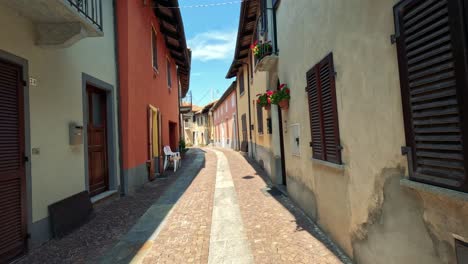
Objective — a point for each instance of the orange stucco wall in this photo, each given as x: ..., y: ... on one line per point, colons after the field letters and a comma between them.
x: 140, y: 85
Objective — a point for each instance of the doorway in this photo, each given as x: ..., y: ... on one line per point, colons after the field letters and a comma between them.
x: 98, y: 171
x: 173, y: 136
x: 13, y: 220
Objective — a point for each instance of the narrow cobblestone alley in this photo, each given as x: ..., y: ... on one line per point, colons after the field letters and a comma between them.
x: 216, y: 210
x: 204, y: 226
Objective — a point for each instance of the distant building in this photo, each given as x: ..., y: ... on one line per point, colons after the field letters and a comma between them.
x: 224, y: 114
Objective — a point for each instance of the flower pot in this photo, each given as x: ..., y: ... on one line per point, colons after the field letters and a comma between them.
x: 267, y: 107
x: 284, y: 104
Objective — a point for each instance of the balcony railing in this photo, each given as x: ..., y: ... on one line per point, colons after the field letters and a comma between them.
x: 265, y: 51
x: 185, y: 103
x: 91, y: 9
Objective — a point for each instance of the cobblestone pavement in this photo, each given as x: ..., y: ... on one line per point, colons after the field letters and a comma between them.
x: 271, y: 228
x: 185, y: 238
x: 114, y: 218
x: 277, y: 231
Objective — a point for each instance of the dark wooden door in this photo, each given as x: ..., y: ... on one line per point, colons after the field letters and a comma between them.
x: 244, y: 143
x: 97, y: 141
x: 173, y: 136
x: 12, y: 163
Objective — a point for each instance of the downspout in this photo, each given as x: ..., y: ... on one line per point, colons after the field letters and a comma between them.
x: 119, y: 109
x: 250, y: 113
x: 237, y: 122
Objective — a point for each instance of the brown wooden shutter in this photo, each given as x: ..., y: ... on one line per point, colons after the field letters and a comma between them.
x: 260, y: 119
x: 12, y: 172
x: 431, y: 41
x: 323, y: 111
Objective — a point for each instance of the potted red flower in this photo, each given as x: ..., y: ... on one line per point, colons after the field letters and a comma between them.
x: 264, y: 100
x: 281, y: 97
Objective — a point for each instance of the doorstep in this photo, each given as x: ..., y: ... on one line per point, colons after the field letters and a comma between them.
x: 102, y: 196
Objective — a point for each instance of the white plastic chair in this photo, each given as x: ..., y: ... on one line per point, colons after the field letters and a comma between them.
x: 170, y: 156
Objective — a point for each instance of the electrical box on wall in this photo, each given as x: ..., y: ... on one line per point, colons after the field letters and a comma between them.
x: 76, y: 134
x: 295, y: 134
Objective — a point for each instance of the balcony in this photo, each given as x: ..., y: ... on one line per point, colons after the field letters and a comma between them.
x: 266, y: 58
x: 61, y: 23
x: 185, y: 104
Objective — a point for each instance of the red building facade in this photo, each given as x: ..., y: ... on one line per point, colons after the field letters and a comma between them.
x: 225, y: 120
x: 154, y: 73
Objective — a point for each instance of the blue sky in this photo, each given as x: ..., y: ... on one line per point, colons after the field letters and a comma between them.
x: 211, y: 34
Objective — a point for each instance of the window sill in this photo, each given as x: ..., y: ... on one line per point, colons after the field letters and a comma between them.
x: 335, y: 166
x: 155, y: 72
x: 422, y: 187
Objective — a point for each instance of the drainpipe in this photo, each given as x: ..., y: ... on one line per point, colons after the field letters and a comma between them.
x: 248, y: 98
x: 119, y: 109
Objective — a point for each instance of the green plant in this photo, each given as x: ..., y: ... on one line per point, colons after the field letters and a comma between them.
x: 261, y: 48
x: 182, y: 145
x: 264, y: 99
x: 283, y: 93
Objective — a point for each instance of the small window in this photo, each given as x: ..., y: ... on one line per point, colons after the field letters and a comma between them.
x: 241, y: 83
x: 232, y: 101
x: 169, y: 77
x: 154, y: 48
x: 323, y: 112
x: 259, y: 119
x: 226, y: 107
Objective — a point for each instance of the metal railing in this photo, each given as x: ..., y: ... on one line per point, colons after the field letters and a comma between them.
x: 91, y: 9
x: 186, y: 102
x: 264, y: 37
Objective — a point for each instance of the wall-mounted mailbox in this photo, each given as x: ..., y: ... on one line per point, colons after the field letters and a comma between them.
x: 76, y: 134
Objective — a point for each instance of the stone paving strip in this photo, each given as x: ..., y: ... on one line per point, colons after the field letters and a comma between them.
x: 228, y: 242
x: 134, y: 246
x: 277, y: 230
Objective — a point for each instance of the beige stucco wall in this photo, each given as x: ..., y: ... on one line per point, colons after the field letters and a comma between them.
x: 362, y: 205
x: 243, y: 102
x: 58, y: 171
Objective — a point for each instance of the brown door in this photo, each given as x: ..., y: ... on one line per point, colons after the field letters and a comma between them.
x: 173, y: 136
x: 12, y: 163
x: 97, y: 141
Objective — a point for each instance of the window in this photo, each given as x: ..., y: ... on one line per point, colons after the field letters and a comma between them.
x: 323, y: 111
x: 169, y: 77
x: 226, y: 106
x: 432, y: 56
x: 232, y: 101
x: 154, y: 48
x: 259, y: 119
x: 241, y: 83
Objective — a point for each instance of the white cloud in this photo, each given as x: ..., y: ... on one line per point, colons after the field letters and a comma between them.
x: 213, y: 45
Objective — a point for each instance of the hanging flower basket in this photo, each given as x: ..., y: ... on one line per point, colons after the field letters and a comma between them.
x: 264, y: 100
x: 281, y: 97
x: 284, y: 104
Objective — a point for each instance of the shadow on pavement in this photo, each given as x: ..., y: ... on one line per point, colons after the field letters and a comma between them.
x: 303, y: 222
x: 138, y: 241
x: 116, y: 217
